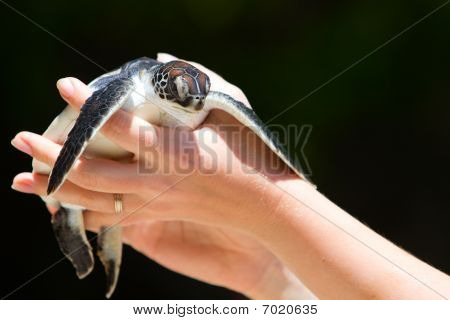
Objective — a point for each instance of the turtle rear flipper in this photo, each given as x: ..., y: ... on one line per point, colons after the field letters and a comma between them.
x: 109, y: 249
x: 68, y: 227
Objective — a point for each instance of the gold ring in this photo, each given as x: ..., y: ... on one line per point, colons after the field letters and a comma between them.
x: 118, y: 203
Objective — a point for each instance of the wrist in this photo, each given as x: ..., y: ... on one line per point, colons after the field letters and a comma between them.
x: 278, y: 282
x: 291, y: 197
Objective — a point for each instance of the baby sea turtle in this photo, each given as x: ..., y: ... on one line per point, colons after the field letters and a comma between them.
x: 165, y: 94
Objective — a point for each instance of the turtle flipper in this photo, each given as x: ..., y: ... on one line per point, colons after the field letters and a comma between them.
x: 68, y: 227
x: 93, y: 115
x: 109, y: 249
x: 245, y: 115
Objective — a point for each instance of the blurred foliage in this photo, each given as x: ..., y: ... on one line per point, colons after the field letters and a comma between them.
x: 380, y: 145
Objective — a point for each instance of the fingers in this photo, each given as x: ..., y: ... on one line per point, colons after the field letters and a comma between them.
x: 217, y: 82
x: 165, y: 57
x: 72, y: 194
x: 123, y: 128
x: 73, y: 91
x: 130, y: 132
x: 131, y: 234
x: 94, y: 220
x: 94, y: 174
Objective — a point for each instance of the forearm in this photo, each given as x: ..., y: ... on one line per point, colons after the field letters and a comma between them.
x: 336, y: 256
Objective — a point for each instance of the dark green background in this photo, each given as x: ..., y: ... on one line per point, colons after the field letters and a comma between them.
x: 380, y: 145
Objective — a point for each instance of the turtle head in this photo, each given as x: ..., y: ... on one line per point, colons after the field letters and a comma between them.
x: 182, y: 83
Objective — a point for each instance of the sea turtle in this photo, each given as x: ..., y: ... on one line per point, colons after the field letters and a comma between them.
x: 166, y: 94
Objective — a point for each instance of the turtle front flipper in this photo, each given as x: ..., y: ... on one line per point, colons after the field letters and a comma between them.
x: 245, y: 115
x: 68, y: 226
x: 109, y: 249
x: 93, y: 115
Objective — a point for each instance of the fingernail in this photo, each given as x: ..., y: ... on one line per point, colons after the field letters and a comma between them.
x: 23, y: 186
x: 21, y: 145
x: 65, y: 87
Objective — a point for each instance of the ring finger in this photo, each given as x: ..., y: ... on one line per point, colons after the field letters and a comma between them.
x: 73, y: 194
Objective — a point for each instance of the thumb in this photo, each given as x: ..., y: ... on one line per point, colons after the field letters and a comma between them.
x: 165, y: 57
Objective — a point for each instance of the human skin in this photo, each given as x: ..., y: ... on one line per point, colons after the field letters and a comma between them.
x: 213, y: 254
x: 239, y: 228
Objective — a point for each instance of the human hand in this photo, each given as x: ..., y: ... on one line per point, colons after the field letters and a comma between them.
x: 199, y: 225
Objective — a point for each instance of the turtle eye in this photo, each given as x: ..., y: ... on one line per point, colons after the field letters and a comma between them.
x: 182, y: 87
